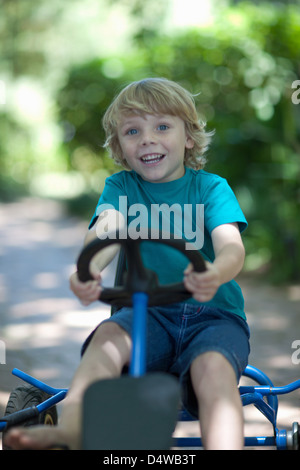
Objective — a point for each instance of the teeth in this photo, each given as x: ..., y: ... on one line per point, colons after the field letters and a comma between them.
x: 152, y: 158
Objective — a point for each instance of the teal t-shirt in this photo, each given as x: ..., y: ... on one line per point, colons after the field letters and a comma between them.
x: 190, y: 208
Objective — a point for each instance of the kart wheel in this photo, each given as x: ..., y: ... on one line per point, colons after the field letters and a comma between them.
x: 295, y: 432
x: 293, y: 437
x: 26, y: 396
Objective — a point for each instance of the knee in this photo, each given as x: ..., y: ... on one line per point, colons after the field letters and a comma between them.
x: 212, y: 371
x: 111, y: 332
x: 110, y: 340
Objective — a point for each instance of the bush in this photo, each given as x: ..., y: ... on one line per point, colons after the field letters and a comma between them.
x: 242, y: 71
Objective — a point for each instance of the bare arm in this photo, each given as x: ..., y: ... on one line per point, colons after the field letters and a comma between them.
x: 229, y: 260
x: 229, y: 251
x: 90, y: 291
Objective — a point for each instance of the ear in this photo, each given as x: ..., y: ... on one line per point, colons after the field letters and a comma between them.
x: 189, y: 142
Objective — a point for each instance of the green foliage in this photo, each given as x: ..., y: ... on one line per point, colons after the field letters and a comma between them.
x: 82, y: 102
x: 241, y: 69
x: 242, y: 72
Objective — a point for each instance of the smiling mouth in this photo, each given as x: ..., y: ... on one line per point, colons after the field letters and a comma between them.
x: 152, y: 159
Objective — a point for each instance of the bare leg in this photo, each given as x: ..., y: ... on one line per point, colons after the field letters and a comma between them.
x: 220, y: 407
x: 107, y: 353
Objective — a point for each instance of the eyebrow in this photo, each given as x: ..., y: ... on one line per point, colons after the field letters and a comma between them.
x: 123, y: 122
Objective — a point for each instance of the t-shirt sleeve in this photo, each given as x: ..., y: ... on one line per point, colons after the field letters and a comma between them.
x: 110, y: 198
x: 221, y: 206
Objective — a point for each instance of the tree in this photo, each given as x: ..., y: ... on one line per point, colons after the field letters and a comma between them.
x: 242, y: 70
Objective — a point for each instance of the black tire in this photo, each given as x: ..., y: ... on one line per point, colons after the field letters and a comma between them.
x: 26, y: 396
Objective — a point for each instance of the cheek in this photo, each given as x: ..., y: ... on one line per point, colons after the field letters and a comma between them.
x: 125, y: 149
x: 128, y: 146
x: 128, y: 153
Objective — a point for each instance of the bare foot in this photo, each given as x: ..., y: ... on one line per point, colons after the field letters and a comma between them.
x: 39, y: 438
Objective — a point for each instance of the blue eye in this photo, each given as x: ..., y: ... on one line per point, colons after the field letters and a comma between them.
x: 163, y: 127
x: 132, y: 132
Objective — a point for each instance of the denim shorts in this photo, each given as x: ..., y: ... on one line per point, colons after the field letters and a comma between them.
x: 177, y: 333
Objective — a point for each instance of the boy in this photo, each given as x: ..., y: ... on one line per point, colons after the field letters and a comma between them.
x: 153, y: 130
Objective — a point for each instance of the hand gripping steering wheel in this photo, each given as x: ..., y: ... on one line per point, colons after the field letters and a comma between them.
x: 138, y: 277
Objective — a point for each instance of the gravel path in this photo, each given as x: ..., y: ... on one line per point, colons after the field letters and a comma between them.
x: 42, y: 325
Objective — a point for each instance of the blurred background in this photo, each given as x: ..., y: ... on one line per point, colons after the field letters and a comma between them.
x: 61, y: 64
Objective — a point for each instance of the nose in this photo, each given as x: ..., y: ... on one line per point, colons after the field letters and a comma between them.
x: 148, y: 138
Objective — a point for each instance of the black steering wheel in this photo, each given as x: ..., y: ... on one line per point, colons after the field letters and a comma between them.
x: 138, y: 277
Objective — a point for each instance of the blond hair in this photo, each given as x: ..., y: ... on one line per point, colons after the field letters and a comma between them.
x: 157, y: 96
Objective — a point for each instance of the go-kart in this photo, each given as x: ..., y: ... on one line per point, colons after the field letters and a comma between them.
x: 140, y: 410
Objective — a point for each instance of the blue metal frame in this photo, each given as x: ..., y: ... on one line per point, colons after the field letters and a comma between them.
x: 56, y: 395
x: 263, y: 396
x: 138, y: 360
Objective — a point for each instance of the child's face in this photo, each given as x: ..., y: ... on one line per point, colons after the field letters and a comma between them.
x: 154, y: 145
